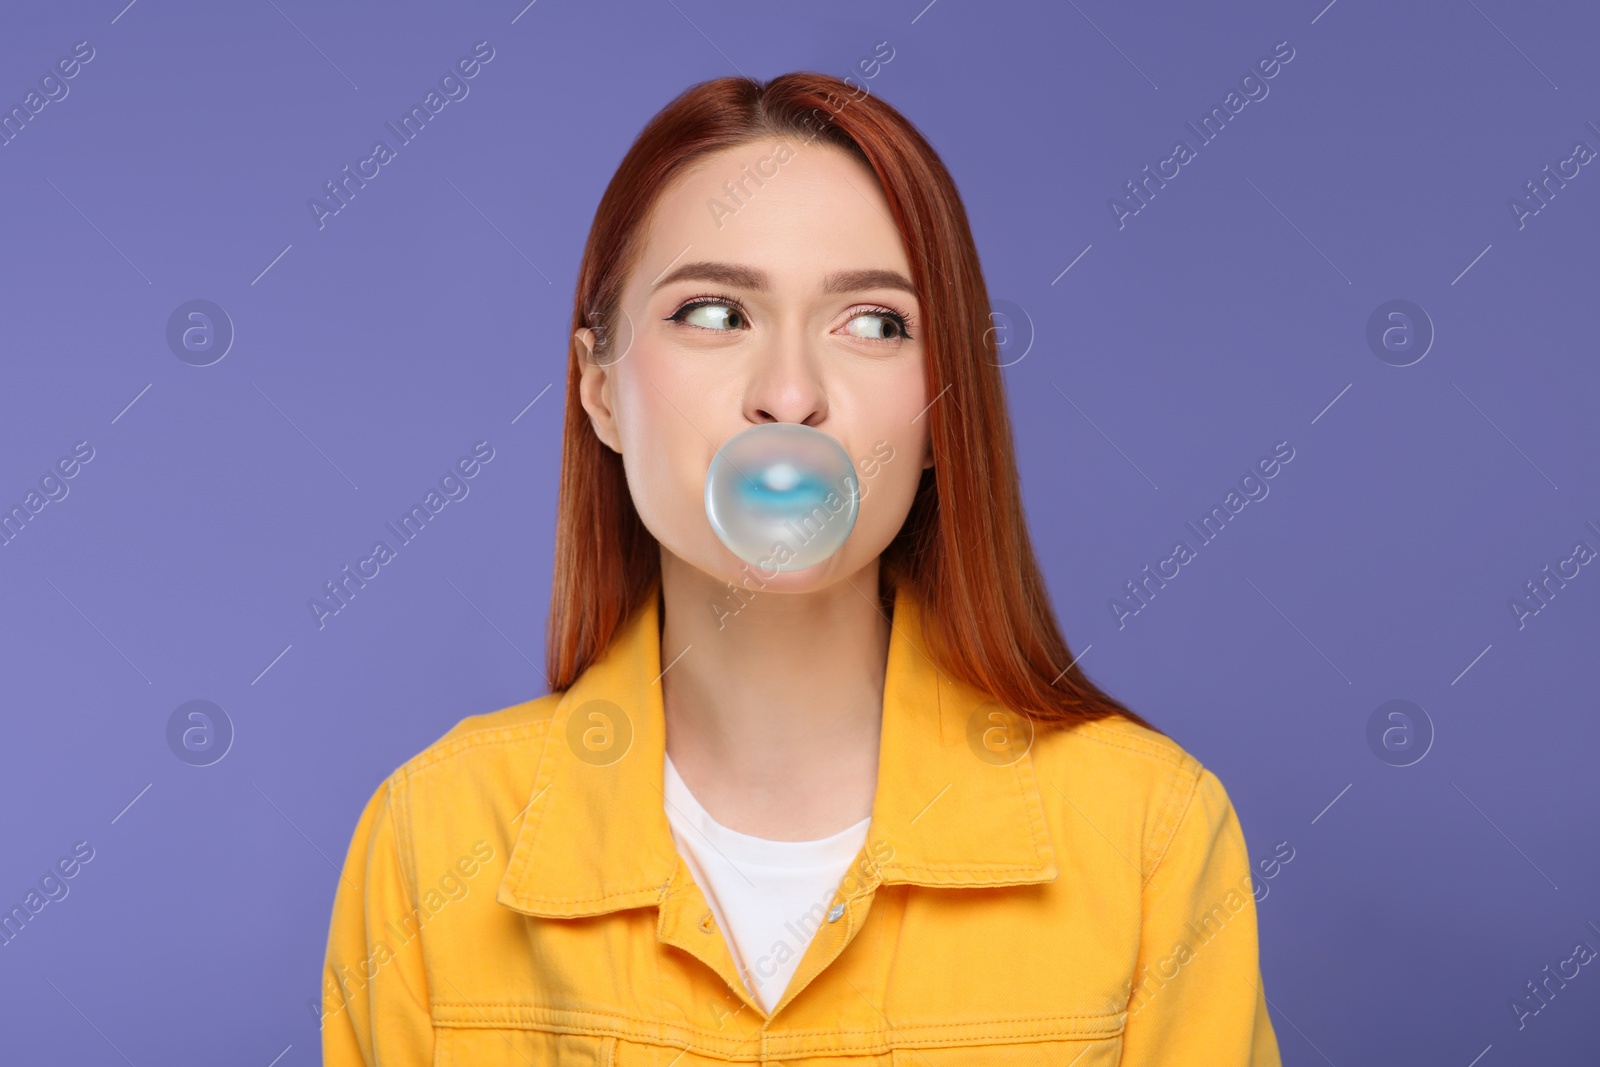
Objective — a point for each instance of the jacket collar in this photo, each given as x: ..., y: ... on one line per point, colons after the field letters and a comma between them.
x: 594, y: 836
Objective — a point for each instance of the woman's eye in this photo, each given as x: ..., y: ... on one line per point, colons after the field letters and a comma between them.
x: 710, y: 316
x: 877, y: 326
x: 724, y: 316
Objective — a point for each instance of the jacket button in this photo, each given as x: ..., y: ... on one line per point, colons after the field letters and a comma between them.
x: 838, y: 910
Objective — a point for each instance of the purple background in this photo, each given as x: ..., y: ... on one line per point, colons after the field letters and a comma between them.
x: 1229, y: 314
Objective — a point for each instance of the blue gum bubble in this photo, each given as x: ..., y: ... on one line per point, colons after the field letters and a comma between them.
x: 782, y: 496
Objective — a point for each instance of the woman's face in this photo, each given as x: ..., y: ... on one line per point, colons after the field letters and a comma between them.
x: 786, y: 299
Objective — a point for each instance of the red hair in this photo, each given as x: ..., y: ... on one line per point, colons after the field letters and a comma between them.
x: 964, y: 547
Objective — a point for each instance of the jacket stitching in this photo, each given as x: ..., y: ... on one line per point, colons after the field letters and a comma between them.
x: 656, y: 887
x: 636, y: 1025
x: 624, y: 1017
x: 1166, y: 845
x: 399, y: 802
x: 483, y: 736
x: 398, y: 810
x: 1038, y: 828
x: 536, y: 832
x: 1092, y: 732
x: 1183, y: 764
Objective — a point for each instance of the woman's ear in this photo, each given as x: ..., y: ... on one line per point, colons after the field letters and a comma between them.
x: 595, y: 387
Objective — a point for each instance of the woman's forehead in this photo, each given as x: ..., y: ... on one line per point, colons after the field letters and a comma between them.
x: 797, y: 217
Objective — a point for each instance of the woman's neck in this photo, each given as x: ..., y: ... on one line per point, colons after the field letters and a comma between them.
x: 774, y: 700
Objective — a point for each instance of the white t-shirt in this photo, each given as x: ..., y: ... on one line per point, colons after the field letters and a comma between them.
x: 770, y: 897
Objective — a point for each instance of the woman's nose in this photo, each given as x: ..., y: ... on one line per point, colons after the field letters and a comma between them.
x: 786, y: 384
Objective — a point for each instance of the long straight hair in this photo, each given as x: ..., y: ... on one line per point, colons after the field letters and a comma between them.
x: 964, y: 547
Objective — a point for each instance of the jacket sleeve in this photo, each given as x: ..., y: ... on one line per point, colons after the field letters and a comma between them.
x: 374, y: 985
x: 1197, y: 995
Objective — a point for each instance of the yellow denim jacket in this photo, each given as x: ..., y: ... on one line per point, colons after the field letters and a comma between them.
x: 512, y: 897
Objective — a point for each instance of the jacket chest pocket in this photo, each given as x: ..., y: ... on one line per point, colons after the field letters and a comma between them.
x: 505, y: 1046
x: 1063, y: 1052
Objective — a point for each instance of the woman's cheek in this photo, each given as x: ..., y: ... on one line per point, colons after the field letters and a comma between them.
x: 666, y: 461
x: 895, y: 466
x: 658, y: 479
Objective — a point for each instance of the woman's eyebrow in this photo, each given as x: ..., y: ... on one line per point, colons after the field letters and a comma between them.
x: 845, y: 281
x: 848, y: 281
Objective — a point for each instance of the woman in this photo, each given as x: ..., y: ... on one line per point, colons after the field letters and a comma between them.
x: 862, y: 812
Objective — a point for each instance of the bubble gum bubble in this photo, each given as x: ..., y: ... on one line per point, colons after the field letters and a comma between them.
x: 782, y: 496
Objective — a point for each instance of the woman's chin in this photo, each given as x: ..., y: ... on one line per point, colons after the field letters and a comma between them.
x: 765, y: 575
